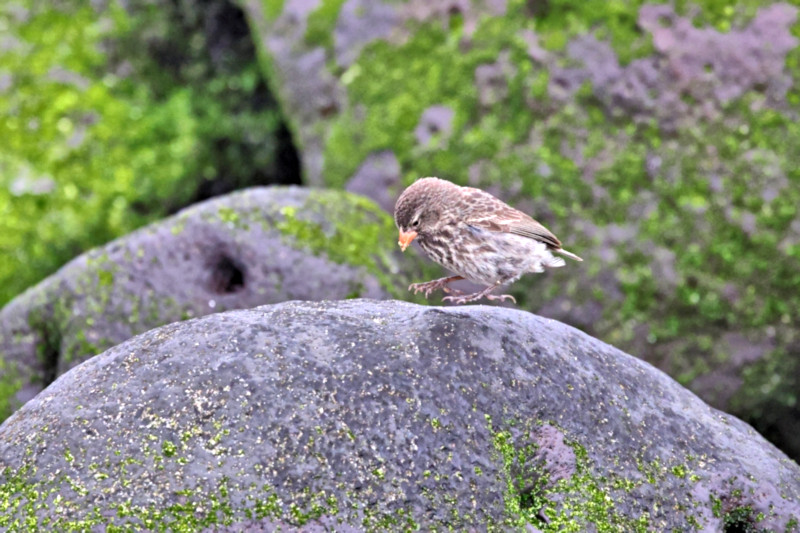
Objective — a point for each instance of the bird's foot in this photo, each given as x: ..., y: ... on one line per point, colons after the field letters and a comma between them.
x: 501, y: 297
x: 463, y: 299
x: 466, y: 298
x: 429, y: 286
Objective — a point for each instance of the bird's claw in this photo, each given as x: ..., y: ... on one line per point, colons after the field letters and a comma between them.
x: 426, y: 288
x: 429, y: 286
x: 458, y: 300
x: 501, y: 297
x: 477, y: 296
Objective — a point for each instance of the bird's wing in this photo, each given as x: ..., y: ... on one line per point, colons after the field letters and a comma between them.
x: 534, y: 230
x: 483, y: 210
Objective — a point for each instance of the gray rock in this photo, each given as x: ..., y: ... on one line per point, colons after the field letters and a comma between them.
x: 361, y: 22
x: 378, y: 178
x: 259, y: 246
x: 383, y: 415
x: 658, y: 142
x: 741, y: 59
x: 436, y: 122
x: 310, y: 92
x: 491, y: 80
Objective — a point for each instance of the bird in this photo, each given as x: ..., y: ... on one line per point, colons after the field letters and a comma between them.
x: 474, y: 235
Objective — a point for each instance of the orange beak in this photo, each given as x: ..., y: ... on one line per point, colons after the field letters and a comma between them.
x: 405, y: 239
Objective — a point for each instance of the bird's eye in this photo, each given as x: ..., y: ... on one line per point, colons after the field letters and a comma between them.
x: 415, y: 222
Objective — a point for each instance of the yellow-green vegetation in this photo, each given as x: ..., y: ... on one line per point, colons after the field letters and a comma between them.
x: 616, y: 21
x: 9, y: 385
x: 348, y: 229
x: 272, y: 9
x: 590, y: 498
x: 583, y: 498
x: 100, y: 137
x: 701, y: 199
x: 23, y: 505
x: 56, y: 502
x: 319, y: 29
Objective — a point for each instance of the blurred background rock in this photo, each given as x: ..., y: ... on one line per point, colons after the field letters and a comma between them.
x: 658, y: 140
x: 118, y: 113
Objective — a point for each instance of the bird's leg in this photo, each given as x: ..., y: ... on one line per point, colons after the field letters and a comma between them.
x: 478, y: 295
x: 451, y: 290
x: 430, y: 286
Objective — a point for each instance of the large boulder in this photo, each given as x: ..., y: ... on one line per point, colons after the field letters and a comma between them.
x: 258, y: 246
x: 363, y: 415
x: 658, y: 140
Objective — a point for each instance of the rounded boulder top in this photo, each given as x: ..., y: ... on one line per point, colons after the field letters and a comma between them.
x: 376, y: 415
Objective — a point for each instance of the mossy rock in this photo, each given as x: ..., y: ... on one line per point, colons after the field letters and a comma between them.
x: 382, y: 416
x: 657, y: 140
x: 257, y: 246
x: 117, y: 114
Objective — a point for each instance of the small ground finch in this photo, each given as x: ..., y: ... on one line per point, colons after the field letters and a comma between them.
x: 474, y: 235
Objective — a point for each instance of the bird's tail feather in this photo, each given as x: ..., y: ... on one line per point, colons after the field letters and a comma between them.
x: 568, y: 254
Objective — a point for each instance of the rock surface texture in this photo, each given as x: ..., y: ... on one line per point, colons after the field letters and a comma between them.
x: 259, y: 246
x: 657, y: 139
x: 362, y: 415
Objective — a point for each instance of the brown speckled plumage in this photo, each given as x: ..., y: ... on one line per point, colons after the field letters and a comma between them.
x: 474, y: 235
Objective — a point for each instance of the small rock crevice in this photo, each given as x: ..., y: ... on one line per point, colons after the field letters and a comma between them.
x: 227, y: 276
x: 48, y: 344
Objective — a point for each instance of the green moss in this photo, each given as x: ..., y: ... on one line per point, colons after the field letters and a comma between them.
x: 586, y: 500
x: 356, y: 232
x: 393, y: 109
x: 615, y: 22
x: 719, y: 14
x: 273, y: 8
x: 77, y: 210
x: 769, y: 393
x: 679, y: 471
x: 525, y: 484
x: 89, y: 154
x: 582, y: 499
x: 321, y: 23
x: 716, y: 506
x: 168, y: 448
x: 740, y: 519
x: 10, y: 384
x: 27, y: 505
